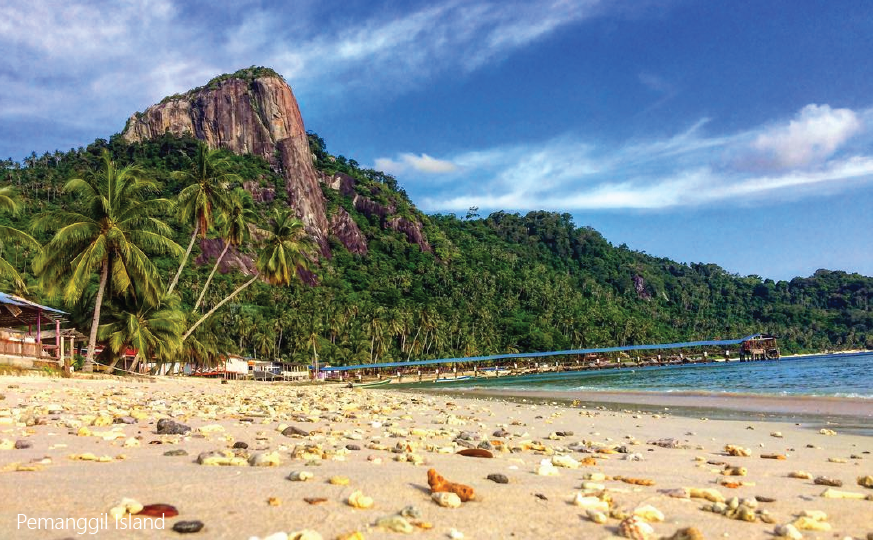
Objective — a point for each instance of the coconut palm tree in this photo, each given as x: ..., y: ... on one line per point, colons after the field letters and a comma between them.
x: 285, y: 248
x: 111, y: 238
x: 234, y: 226
x: 153, y: 331
x: 9, y: 202
x: 205, y: 196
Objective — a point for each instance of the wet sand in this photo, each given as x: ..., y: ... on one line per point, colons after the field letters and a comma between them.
x: 384, y: 442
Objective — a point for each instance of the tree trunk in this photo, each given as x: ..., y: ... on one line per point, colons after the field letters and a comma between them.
x: 88, y: 367
x: 209, y: 279
x: 213, y: 310
x: 185, y: 258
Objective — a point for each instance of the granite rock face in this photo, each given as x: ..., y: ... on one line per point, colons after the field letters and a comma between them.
x: 258, y: 116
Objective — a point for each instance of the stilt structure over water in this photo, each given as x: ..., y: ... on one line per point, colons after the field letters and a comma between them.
x: 754, y: 347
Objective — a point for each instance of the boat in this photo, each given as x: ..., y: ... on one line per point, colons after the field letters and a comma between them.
x: 463, y: 378
x: 370, y: 384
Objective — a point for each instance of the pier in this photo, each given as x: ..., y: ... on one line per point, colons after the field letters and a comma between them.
x: 749, y: 348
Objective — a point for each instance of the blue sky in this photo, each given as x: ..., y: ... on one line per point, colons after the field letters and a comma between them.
x: 733, y: 132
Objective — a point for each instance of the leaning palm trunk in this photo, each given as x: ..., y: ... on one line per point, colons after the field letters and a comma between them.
x: 88, y: 367
x: 185, y: 258
x: 213, y: 310
x: 209, y: 279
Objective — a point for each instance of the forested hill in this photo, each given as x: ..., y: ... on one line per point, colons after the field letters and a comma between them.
x: 397, y: 284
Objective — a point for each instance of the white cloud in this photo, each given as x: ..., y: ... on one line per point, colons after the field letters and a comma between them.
x: 423, y: 163
x: 811, y: 137
x: 568, y: 173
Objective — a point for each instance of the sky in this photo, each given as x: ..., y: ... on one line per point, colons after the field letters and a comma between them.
x: 735, y: 132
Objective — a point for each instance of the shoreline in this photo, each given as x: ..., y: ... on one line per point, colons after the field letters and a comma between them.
x: 850, y: 414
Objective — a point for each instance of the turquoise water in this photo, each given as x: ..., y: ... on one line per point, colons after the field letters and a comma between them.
x: 841, y: 375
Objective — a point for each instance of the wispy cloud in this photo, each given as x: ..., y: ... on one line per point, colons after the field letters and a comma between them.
x: 93, y: 63
x: 821, y: 150
x: 423, y: 163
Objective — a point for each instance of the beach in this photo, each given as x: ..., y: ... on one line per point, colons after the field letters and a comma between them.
x: 74, y: 448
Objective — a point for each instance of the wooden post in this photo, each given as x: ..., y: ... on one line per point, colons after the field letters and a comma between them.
x: 39, y: 333
x: 58, y: 338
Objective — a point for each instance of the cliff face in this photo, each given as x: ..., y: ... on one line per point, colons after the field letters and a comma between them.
x: 258, y: 116
x: 254, y: 111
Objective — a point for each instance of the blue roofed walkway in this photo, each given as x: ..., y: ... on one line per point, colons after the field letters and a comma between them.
x: 570, y: 352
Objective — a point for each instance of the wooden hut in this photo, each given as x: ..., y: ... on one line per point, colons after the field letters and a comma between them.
x: 21, y: 338
x: 759, y: 347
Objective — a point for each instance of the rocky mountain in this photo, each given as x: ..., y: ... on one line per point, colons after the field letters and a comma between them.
x: 253, y: 111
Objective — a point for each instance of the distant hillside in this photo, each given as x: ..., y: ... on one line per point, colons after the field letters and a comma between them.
x: 394, y: 283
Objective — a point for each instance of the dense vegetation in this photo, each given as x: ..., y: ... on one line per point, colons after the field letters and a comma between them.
x: 497, y: 284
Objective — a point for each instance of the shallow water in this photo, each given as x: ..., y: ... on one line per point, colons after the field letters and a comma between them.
x: 839, y: 375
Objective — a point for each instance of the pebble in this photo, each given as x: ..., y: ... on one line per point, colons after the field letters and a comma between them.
x: 176, y: 452
x: 292, y: 431
x: 825, y: 431
x: 300, y: 476
x: 866, y: 481
x: 170, y: 427
x: 455, y: 534
x: 498, y: 478
x: 596, y: 516
x: 158, y: 510
x: 803, y: 475
x: 788, y: 531
x: 547, y: 468
x: 589, y: 502
x: 339, y: 480
x: 397, y: 524
x: 825, y: 481
x: 737, y: 451
x: 185, y: 527
x: 22, y: 444
x: 265, y: 459
x: 353, y: 447
x: 649, y: 513
x: 687, y: 533
x: 446, y: 499
x: 240, y: 445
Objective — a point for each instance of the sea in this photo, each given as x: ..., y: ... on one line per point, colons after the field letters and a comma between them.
x: 837, y: 375
x: 827, y: 390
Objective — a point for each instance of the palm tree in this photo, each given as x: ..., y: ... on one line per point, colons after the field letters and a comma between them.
x: 286, y: 247
x: 153, y: 331
x: 9, y: 203
x: 111, y: 238
x: 234, y: 226
x: 205, y: 196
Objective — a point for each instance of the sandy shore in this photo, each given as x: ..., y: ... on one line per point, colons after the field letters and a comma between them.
x: 384, y: 442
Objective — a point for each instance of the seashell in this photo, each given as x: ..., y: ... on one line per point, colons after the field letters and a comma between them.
x: 774, y: 456
x: 596, y: 516
x: 709, y: 494
x: 590, y: 503
x: 830, y: 493
x: 300, y: 476
x: 803, y: 475
x: 633, y: 457
x: 737, y: 451
x: 788, y: 531
x: 825, y: 431
x: 446, y: 499
x: 455, y: 534
x: 397, y: 524
x: 476, y: 452
x: 635, y: 529
x: 565, y: 461
x: 777, y: 434
x: 438, y: 483
x: 825, y: 481
x: 158, y: 510
x: 339, y: 480
x: 359, y: 500
x: 804, y: 523
x: 688, y: 533
x: 649, y: 513
x: 866, y: 481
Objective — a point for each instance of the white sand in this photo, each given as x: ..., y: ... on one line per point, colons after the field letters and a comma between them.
x: 232, y: 501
